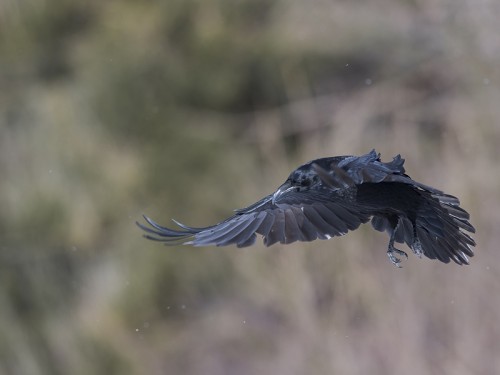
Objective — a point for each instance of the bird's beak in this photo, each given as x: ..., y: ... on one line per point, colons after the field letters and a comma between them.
x: 283, y: 189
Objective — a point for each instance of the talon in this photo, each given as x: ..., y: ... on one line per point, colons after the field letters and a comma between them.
x: 393, y: 258
x: 401, y: 252
x: 391, y: 249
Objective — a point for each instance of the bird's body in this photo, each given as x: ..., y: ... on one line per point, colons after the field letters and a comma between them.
x: 330, y: 196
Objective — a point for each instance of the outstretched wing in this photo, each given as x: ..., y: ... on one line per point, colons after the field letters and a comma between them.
x: 442, y: 227
x: 294, y: 216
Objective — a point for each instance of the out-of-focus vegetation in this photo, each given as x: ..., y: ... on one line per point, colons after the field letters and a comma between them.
x: 190, y: 108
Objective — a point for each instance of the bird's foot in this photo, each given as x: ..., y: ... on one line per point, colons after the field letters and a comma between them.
x: 393, y: 258
x: 416, y: 246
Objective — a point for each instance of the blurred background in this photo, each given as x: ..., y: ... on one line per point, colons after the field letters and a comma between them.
x: 192, y: 108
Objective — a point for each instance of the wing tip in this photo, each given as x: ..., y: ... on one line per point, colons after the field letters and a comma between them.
x: 156, y: 232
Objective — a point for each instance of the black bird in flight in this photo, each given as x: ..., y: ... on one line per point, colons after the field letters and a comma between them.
x: 330, y: 196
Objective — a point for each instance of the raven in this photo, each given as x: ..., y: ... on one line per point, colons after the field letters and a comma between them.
x: 328, y: 197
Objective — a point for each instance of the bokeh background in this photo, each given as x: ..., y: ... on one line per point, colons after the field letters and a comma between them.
x: 192, y: 108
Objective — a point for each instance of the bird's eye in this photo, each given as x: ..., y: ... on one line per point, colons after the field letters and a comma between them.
x: 305, y: 182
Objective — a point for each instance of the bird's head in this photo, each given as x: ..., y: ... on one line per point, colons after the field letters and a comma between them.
x: 302, y: 179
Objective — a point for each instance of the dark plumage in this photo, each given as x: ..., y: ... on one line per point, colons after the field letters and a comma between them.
x: 330, y: 196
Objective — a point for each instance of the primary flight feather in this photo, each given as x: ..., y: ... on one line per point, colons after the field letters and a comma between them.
x: 328, y: 197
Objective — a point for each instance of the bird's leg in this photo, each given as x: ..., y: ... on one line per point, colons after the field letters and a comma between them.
x: 391, y: 250
x: 416, y: 246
